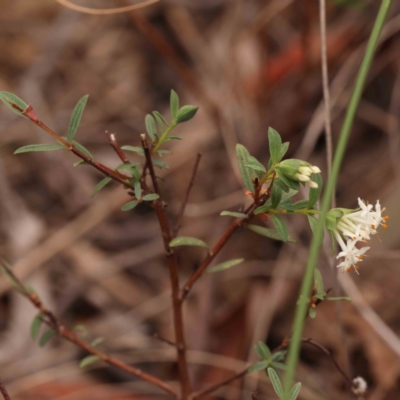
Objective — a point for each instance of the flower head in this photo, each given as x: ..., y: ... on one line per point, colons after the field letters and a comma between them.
x: 356, y: 226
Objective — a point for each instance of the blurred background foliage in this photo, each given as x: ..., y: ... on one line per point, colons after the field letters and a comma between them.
x: 248, y: 65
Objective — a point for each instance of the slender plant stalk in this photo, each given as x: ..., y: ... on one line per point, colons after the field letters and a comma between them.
x: 53, y: 322
x: 294, y: 347
x: 4, y: 392
x: 173, y: 267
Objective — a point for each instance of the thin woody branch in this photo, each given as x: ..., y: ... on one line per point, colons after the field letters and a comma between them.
x: 172, y: 263
x: 52, y: 321
x: 237, y: 223
x: 189, y: 188
x: 115, y: 175
x: 114, y: 144
x: 4, y: 392
x: 201, y: 393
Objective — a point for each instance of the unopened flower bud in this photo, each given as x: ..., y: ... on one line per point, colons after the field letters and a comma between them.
x: 305, y: 171
x: 313, y: 184
x: 302, y: 178
x: 315, y: 169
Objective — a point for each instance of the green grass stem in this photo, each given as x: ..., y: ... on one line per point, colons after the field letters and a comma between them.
x: 307, y: 283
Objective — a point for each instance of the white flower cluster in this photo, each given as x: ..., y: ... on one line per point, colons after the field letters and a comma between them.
x: 354, y: 227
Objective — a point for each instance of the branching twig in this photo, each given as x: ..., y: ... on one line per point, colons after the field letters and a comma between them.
x: 4, y: 392
x: 114, y: 144
x: 164, y: 340
x: 201, y: 393
x: 115, y: 175
x: 319, y: 346
x: 52, y: 321
x: 183, y: 206
x: 174, y: 275
x: 312, y: 342
x: 225, y: 237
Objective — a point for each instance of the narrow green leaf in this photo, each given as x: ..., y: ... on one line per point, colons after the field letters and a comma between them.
x: 288, y: 195
x: 174, y: 104
x: 88, y: 360
x: 263, y: 351
x: 284, y: 149
x: 270, y: 233
x: 8, y: 98
x: 186, y: 113
x: 131, y: 168
x: 82, y: 149
x: 258, y: 366
x: 282, y: 185
x: 313, y: 225
x: 151, y: 197
x: 293, y: 394
x: 281, y: 227
x: 257, y: 166
x: 160, y: 164
x: 135, y: 149
x: 138, y: 190
x: 300, y: 205
x: 100, y: 186
x: 233, y: 214
x: 187, y: 241
x: 315, y: 193
x: 243, y: 155
x: 289, y: 182
x: 278, y: 365
x: 163, y: 152
x: 97, y: 341
x: 225, y: 265
x: 319, y: 283
x: 81, y: 162
x: 129, y: 206
x: 279, y: 355
x: 39, y: 147
x: 11, y: 279
x: 81, y: 329
x: 276, y: 196
x: 275, y: 145
x: 36, y: 324
x: 338, y: 298
x: 262, y: 209
x: 172, y: 137
x: 76, y: 117
x: 46, y: 337
x: 161, y: 121
x: 150, y: 126
x: 276, y: 382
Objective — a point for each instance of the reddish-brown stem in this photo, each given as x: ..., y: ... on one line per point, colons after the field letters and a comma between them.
x: 164, y: 340
x: 285, y: 343
x: 115, y: 175
x: 172, y: 263
x: 4, y: 392
x: 51, y: 320
x: 114, y: 144
x: 225, y: 237
x: 204, y: 392
x: 185, y: 201
x: 328, y: 353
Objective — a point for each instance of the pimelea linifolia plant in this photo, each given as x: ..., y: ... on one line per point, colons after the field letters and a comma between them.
x: 272, y: 188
